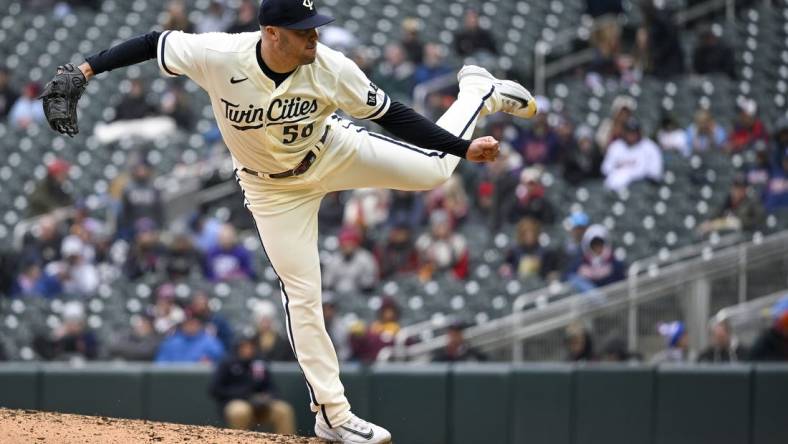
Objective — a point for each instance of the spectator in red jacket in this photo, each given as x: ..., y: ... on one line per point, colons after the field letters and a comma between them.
x: 747, y: 128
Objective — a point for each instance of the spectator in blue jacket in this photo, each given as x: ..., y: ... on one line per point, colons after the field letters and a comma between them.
x: 776, y: 192
x: 215, y: 323
x: 190, y: 343
x: 229, y: 260
x: 598, y: 265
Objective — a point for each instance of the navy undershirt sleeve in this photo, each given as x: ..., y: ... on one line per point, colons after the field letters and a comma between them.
x: 410, y: 126
x: 135, y: 50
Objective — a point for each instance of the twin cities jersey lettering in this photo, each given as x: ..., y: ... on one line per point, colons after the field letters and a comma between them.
x: 269, y: 128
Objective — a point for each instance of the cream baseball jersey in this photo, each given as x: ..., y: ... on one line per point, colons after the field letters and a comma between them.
x: 269, y: 128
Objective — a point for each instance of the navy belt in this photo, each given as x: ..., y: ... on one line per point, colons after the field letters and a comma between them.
x: 301, y: 168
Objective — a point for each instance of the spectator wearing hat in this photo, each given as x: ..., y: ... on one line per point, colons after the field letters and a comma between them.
x: 271, y: 344
x: 352, y: 268
x: 7, y: 94
x: 229, y: 260
x: 166, y: 313
x: 71, y: 339
x: 678, y: 348
x: 138, y: 344
x: 51, y: 193
x: 597, y: 266
x: 747, y: 128
x: 336, y: 328
x: 579, y: 344
x: 441, y: 249
x: 140, y: 200
x: 528, y: 259
x: 75, y: 271
x: 27, y: 109
x: 741, y: 211
x: 472, y: 39
x: 772, y: 343
x: 457, y: 348
x: 724, y: 346
x: 215, y: 323
x: 244, y: 390
x: 581, y: 157
x: 529, y: 200
x: 190, y: 343
x: 705, y: 134
x: 631, y: 158
x: 572, y: 249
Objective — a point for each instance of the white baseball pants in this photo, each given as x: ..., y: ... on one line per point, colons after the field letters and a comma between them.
x: 285, y: 212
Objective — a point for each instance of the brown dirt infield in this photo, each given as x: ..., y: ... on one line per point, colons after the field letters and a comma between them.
x: 34, y: 427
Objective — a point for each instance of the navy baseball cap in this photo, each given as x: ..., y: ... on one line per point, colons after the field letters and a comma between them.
x: 291, y: 14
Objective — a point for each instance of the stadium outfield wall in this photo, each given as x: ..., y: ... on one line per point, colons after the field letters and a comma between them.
x: 551, y: 403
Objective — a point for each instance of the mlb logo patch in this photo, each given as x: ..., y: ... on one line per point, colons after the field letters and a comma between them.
x: 372, y: 98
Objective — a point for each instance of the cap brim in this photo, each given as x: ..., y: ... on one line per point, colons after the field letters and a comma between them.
x: 315, y: 21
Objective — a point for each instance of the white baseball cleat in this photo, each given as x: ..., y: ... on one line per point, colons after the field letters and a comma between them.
x: 354, y: 431
x: 509, y: 97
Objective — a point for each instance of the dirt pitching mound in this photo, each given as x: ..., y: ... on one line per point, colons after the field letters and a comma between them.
x: 31, y: 426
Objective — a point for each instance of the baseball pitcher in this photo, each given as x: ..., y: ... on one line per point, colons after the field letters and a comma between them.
x: 274, y: 95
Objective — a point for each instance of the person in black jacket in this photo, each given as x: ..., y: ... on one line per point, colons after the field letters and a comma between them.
x: 772, y: 344
x: 243, y: 387
x: 724, y: 346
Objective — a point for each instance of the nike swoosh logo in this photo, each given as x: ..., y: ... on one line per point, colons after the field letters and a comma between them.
x: 523, y: 102
x: 363, y: 435
x: 233, y: 81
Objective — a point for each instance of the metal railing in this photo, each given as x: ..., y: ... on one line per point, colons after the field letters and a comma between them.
x: 748, y: 318
x: 656, y: 290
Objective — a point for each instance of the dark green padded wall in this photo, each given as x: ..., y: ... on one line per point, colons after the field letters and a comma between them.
x: 19, y: 386
x: 176, y: 393
x: 480, y: 403
x: 703, y: 404
x: 612, y: 404
x: 412, y: 402
x: 770, y: 404
x: 109, y: 390
x: 541, y: 403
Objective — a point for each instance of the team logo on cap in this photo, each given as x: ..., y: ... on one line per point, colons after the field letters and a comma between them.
x: 309, y: 4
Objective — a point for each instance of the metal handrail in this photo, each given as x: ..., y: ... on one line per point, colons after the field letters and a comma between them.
x: 648, y: 287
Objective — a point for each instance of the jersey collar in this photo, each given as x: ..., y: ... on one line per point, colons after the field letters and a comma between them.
x: 277, y: 78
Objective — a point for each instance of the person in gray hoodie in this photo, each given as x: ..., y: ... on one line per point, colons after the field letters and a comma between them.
x: 597, y: 266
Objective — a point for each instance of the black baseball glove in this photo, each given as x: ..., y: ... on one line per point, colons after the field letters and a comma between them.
x: 60, y: 96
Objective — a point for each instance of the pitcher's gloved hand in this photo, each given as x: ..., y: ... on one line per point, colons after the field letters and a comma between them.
x: 60, y: 97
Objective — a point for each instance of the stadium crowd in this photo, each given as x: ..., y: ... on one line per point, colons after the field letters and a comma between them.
x: 382, y: 234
